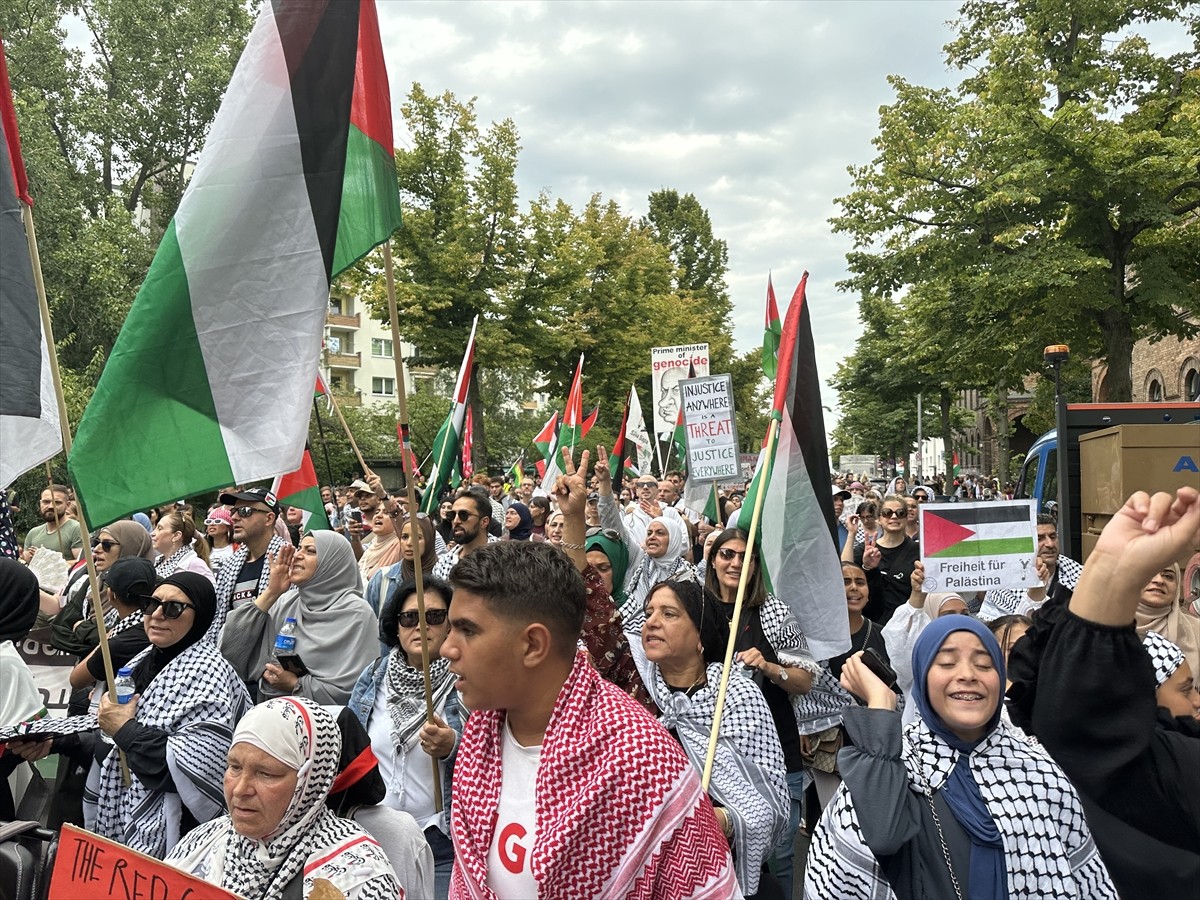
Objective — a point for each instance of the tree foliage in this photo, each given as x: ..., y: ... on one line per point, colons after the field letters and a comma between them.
x: 1050, y: 197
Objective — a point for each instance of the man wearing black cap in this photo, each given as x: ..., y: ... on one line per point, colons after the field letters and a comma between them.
x: 245, y: 574
x: 124, y: 585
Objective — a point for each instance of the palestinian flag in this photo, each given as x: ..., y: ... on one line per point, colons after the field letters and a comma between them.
x: 570, y: 433
x: 617, y: 461
x: 301, y: 489
x: 29, y: 425
x: 954, y: 462
x: 544, y: 440
x: 449, y: 436
x: 468, y: 446
x: 321, y: 390
x: 771, y: 332
x: 797, y: 536
x: 233, y: 308
x: 588, y: 421
x: 954, y: 530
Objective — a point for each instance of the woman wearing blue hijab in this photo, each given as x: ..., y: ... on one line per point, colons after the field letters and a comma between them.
x: 955, y: 805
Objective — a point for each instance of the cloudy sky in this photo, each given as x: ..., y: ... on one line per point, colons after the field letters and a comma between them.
x: 757, y: 108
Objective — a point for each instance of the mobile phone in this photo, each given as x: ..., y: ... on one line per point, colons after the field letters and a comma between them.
x: 357, y: 516
x: 879, y: 667
x: 293, y: 664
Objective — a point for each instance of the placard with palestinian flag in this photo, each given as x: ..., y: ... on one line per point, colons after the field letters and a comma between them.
x: 979, y: 546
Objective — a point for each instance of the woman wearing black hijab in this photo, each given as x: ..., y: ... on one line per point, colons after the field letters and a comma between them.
x: 175, y: 731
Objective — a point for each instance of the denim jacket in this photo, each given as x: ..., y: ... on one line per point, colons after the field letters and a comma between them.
x: 362, y: 702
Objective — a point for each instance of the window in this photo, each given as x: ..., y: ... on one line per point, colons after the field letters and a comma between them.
x: 1155, y: 393
x: 1191, y: 386
x: 381, y: 347
x: 383, y: 387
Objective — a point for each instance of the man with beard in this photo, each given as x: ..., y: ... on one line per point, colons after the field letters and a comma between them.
x: 1058, y: 574
x: 58, y: 533
x: 471, y: 515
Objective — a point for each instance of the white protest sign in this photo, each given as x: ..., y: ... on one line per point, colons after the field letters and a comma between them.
x: 979, y: 546
x: 708, y: 418
x: 668, y: 367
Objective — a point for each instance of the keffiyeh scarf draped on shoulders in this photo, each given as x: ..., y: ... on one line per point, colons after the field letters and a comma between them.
x: 227, y: 575
x: 748, y: 776
x: 309, y: 838
x: 617, y: 804
x: 651, y: 570
x: 405, y: 687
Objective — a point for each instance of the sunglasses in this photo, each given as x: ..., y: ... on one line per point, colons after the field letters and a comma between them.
x: 106, y: 546
x: 432, y: 617
x: 610, y: 533
x: 246, y: 511
x: 894, y: 513
x: 171, y: 609
x: 647, y: 484
x: 728, y: 553
x: 215, y: 522
x: 462, y: 515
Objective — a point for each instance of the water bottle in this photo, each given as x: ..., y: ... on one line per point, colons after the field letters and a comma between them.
x: 285, y: 641
x: 124, y: 685
x: 125, y: 691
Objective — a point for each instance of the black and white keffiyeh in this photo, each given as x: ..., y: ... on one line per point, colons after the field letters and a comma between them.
x: 749, y: 776
x: 165, y: 566
x: 197, y: 699
x: 1166, y: 656
x: 782, y: 631
x: 1011, y: 602
x: 309, y: 839
x: 1048, y: 848
x: 226, y: 580
x: 405, y: 688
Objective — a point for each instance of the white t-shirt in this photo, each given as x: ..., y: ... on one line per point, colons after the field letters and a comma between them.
x: 510, y: 873
x: 409, y: 781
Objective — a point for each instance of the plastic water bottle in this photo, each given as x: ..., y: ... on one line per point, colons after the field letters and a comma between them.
x: 285, y: 641
x: 125, y: 691
x: 124, y: 685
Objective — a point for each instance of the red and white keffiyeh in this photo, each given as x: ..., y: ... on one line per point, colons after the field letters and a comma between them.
x: 620, y: 812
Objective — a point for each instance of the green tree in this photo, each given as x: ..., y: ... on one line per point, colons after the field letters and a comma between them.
x: 1049, y: 197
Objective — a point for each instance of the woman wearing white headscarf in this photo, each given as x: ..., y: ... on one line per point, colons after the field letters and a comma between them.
x: 279, y: 834
x: 318, y: 585
x: 659, y: 558
x: 905, y: 626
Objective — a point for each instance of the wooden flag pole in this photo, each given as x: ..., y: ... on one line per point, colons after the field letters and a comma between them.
x: 407, y: 460
x: 772, y: 435
x: 345, y: 427
x: 65, y: 426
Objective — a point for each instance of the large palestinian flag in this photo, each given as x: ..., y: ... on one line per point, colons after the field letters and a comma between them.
x: 210, y: 379
x: 797, y: 535
x: 954, y: 530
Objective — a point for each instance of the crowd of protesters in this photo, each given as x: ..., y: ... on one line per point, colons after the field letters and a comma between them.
x: 515, y: 697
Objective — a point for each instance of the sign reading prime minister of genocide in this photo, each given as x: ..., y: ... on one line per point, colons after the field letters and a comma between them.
x: 708, y: 419
x: 668, y: 367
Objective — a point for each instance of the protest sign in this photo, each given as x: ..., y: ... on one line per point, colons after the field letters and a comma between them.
x: 708, y: 417
x: 979, y: 546
x: 89, y: 867
x: 50, y: 668
x: 858, y: 464
x: 669, y: 366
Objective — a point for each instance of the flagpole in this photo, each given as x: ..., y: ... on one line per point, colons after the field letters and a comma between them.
x: 64, y: 425
x: 353, y: 444
x: 407, y: 460
x: 658, y: 453
x: 324, y: 445
x: 734, y: 629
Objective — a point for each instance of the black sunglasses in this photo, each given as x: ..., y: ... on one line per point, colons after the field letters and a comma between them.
x: 728, y: 553
x: 894, y: 513
x: 462, y: 515
x: 171, y: 609
x: 106, y: 545
x: 246, y: 511
x: 647, y: 484
x: 432, y: 617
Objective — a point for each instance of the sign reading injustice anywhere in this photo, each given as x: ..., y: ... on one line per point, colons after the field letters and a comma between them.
x: 979, y: 546
x: 708, y: 418
x: 89, y: 867
x: 668, y: 367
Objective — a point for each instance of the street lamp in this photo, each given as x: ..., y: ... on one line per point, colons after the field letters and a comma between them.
x: 1056, y: 355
